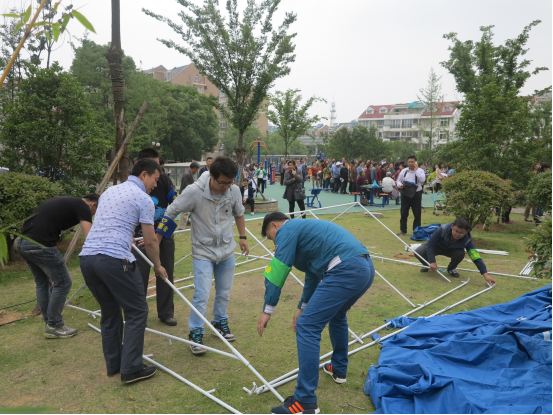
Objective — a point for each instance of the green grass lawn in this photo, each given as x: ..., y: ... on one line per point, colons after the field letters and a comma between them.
x: 69, y: 375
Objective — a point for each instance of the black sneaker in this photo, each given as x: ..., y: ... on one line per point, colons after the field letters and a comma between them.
x: 171, y: 321
x: 222, y: 327
x: 328, y: 369
x: 145, y: 373
x: 425, y: 269
x: 62, y: 332
x: 453, y: 273
x: 401, y: 233
x: 112, y: 374
x: 291, y: 406
x: 196, y: 336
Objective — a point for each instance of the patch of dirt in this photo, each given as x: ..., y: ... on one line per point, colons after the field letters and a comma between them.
x: 496, y: 227
x: 6, y: 316
x: 479, y: 243
x: 24, y: 401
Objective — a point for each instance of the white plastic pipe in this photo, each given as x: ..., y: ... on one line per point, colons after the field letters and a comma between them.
x: 406, y: 246
x: 282, y: 382
x: 462, y: 269
x: 395, y: 289
x: 426, y: 304
x: 216, y: 332
x: 206, y: 393
x: 182, y: 259
x: 75, y: 293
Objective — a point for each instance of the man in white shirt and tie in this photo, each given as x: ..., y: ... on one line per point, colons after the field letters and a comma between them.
x: 412, y: 174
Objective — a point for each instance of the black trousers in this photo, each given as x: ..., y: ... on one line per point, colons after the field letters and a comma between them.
x: 413, y: 203
x: 301, y: 205
x: 261, y: 185
x: 336, y: 185
x: 251, y: 202
x: 117, y: 286
x: 456, y: 255
x: 164, y: 293
x: 343, y: 187
x: 282, y: 178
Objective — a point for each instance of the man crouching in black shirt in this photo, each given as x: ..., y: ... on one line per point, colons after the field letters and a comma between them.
x: 162, y: 196
x: 52, y: 278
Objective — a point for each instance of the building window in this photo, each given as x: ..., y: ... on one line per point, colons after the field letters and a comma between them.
x: 221, y: 133
x: 197, y: 78
x: 222, y: 94
x: 444, y: 122
x: 369, y: 111
x: 380, y: 123
x: 200, y: 89
x: 222, y: 125
x: 395, y: 123
x: 406, y: 123
x: 382, y: 110
x: 414, y: 134
x: 443, y: 135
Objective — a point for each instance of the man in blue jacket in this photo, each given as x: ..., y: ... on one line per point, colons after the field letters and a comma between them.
x: 338, y: 271
x: 451, y: 240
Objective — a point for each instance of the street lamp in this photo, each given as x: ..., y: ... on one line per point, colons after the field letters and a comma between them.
x: 154, y: 144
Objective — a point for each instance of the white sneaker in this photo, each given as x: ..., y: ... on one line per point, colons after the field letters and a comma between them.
x: 253, y: 213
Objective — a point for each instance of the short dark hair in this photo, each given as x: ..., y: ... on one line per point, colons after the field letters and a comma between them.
x: 161, y: 162
x: 148, y: 165
x: 412, y: 156
x: 225, y: 166
x: 148, y: 153
x: 272, y: 217
x: 461, y: 223
x: 194, y: 165
x: 383, y: 157
x: 209, y: 158
x: 92, y: 197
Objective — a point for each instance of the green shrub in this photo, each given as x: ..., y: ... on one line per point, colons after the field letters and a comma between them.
x: 540, y: 243
x: 538, y: 192
x: 474, y: 195
x: 20, y: 194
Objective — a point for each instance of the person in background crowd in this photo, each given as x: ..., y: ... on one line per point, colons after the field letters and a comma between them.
x: 388, y: 186
x: 381, y: 173
x: 214, y: 202
x: 248, y: 195
x: 187, y: 179
x: 260, y: 175
x: 327, y: 175
x: 439, y: 168
x: 336, y: 176
x: 162, y: 196
x: 361, y: 182
x: 293, y: 181
x: 383, y: 162
x: 360, y: 167
x: 400, y: 167
x: 391, y: 169
x: 414, y: 175
x: 344, y: 174
x: 314, y: 171
x: 353, y: 178
x: 110, y: 272
x: 373, y: 172
x: 281, y: 170
x: 162, y: 164
x: 52, y: 279
x: 207, y: 166
x: 451, y: 240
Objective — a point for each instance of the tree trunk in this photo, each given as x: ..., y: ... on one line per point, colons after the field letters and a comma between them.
x: 240, y: 151
x: 115, y: 60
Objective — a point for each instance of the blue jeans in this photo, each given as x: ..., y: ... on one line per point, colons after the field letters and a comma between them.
x: 224, y: 276
x: 340, y: 288
x: 52, y: 279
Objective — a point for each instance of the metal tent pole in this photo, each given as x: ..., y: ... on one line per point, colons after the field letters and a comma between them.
x: 395, y: 289
x: 75, y: 293
x: 182, y: 259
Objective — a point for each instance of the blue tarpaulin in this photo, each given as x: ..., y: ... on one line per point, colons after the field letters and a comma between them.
x: 422, y: 233
x: 495, y: 359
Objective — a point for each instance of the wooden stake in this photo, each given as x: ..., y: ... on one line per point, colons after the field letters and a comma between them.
x: 108, y: 175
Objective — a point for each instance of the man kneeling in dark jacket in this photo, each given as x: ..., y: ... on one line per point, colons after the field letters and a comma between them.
x: 451, y: 240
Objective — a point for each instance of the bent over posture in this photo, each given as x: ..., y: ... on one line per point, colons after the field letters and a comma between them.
x: 338, y: 271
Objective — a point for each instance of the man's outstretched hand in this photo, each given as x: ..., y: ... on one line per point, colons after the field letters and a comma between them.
x: 262, y: 323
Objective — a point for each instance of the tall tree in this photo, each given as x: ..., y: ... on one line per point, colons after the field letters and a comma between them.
x: 432, y: 97
x: 290, y: 117
x: 359, y: 143
x: 115, y: 58
x: 50, y: 131
x: 495, y: 121
x: 241, y: 57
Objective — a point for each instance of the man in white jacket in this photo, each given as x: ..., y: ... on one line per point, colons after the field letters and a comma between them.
x: 213, y: 200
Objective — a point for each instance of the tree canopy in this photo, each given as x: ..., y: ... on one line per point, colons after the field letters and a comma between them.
x: 242, y: 57
x: 359, y: 143
x: 50, y: 130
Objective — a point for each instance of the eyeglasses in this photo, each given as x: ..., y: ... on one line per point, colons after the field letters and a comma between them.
x: 225, y: 184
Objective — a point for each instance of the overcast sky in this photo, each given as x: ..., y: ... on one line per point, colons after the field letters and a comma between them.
x: 355, y: 52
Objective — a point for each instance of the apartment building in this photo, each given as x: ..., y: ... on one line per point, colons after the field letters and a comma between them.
x: 407, y: 121
x: 189, y: 75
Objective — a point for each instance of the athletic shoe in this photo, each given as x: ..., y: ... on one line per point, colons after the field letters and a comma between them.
x: 425, y: 269
x: 252, y: 213
x: 291, y: 406
x: 145, y: 373
x: 453, y: 273
x: 112, y: 374
x: 171, y: 321
x: 527, y: 220
x: 196, y: 336
x: 507, y: 222
x: 222, y: 328
x: 328, y: 369
x: 401, y: 233
x: 62, y: 332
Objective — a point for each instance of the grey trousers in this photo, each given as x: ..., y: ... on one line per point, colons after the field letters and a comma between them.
x: 117, y: 286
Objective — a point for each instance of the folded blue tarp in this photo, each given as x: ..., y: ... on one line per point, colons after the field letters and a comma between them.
x: 495, y: 359
x: 422, y: 233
